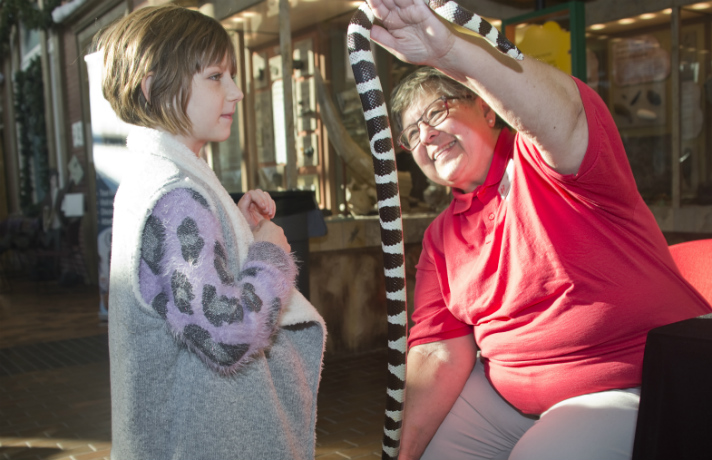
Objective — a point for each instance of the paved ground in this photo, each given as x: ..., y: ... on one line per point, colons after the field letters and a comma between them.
x: 54, y: 383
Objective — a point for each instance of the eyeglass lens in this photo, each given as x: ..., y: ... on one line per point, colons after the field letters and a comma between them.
x: 433, y: 115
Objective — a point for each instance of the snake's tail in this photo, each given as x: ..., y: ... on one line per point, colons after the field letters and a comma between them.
x: 456, y: 14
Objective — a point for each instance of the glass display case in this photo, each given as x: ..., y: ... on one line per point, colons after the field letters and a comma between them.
x: 269, y: 116
x: 653, y: 71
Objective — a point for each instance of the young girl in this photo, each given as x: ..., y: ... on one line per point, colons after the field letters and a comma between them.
x: 214, y: 354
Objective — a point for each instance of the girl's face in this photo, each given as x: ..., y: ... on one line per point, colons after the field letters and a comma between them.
x: 213, y: 99
x: 458, y: 152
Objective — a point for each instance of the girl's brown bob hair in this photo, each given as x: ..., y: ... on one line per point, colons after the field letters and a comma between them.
x: 171, y: 44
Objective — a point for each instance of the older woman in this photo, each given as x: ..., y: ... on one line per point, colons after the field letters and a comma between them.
x: 547, y: 262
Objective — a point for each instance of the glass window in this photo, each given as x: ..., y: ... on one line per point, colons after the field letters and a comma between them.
x: 638, y: 97
x: 29, y: 45
x: 630, y: 64
x: 309, y: 182
x: 269, y: 115
x: 695, y: 108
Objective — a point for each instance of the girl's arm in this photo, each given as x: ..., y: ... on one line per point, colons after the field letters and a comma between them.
x: 185, y: 276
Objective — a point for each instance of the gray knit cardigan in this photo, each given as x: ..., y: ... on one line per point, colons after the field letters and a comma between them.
x: 220, y: 363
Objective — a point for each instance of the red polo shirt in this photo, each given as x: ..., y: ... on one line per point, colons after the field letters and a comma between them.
x: 560, y: 277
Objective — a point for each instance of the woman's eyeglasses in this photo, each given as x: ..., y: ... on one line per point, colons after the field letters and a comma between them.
x: 433, y: 115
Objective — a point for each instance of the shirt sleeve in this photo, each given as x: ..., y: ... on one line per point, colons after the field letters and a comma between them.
x: 432, y: 320
x: 185, y: 275
x: 604, y: 179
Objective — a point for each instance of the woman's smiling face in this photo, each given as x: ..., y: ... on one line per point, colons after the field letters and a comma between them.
x: 457, y: 152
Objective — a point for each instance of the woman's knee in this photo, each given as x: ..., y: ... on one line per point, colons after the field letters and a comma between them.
x: 589, y: 427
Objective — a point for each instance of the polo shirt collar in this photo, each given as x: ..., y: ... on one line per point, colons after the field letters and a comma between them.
x: 503, y: 151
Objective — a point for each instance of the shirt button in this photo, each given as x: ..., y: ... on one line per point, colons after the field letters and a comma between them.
x: 491, y: 217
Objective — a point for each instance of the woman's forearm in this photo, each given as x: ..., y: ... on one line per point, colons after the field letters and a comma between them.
x: 435, y: 375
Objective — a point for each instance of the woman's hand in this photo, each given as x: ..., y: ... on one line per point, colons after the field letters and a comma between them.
x: 272, y: 233
x: 536, y: 99
x: 411, y: 31
x: 257, y: 206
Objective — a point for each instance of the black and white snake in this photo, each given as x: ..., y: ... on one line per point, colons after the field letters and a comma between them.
x: 384, y: 164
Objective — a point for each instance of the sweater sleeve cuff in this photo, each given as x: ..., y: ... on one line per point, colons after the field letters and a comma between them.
x: 272, y: 254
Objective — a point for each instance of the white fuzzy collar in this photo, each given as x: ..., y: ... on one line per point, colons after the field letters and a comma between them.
x: 164, y: 145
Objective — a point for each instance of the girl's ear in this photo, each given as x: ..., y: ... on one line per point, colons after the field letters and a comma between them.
x: 146, y: 86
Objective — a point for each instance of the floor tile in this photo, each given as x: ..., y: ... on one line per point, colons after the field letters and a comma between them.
x: 54, y: 383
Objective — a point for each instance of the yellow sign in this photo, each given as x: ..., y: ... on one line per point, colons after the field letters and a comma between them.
x: 548, y: 43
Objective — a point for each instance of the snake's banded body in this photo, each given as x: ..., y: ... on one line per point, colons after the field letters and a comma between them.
x: 384, y: 161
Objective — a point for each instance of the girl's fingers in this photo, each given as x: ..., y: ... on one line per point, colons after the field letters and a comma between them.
x: 263, y: 203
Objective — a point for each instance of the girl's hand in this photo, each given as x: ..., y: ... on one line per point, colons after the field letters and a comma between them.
x: 272, y: 233
x: 256, y: 205
x: 411, y: 31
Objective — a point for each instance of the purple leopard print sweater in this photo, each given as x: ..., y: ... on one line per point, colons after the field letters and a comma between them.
x: 224, y: 318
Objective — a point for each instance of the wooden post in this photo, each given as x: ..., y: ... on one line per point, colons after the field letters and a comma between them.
x: 285, y: 49
x: 47, y: 84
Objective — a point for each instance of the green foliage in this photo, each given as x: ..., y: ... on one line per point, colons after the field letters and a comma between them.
x: 30, y: 116
x: 15, y: 11
x: 29, y: 99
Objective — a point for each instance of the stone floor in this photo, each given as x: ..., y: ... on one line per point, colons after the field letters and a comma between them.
x: 54, y: 382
